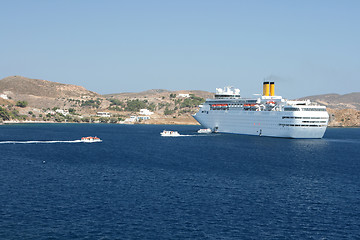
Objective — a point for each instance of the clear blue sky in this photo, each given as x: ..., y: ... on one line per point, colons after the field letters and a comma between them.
x: 308, y: 47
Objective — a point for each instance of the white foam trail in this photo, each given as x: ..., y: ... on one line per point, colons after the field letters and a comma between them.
x: 38, y: 142
x: 194, y: 135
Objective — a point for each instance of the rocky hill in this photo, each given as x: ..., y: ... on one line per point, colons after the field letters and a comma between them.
x: 40, y: 100
x: 18, y: 85
x: 41, y: 93
x: 159, y: 93
x: 337, y: 101
x: 344, y: 117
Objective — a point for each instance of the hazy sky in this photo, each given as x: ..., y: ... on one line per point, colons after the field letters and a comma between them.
x: 308, y: 47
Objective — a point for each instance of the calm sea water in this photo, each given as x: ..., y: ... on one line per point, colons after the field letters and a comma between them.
x: 138, y: 185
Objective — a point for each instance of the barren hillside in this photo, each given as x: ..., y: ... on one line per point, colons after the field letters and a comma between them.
x: 17, y: 85
x: 159, y: 93
x: 337, y: 101
x: 41, y: 93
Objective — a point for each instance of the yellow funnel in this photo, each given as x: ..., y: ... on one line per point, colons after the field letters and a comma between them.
x: 272, y: 89
x: 266, y: 89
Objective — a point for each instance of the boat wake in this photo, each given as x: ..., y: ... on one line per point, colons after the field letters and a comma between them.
x: 192, y: 135
x: 39, y: 142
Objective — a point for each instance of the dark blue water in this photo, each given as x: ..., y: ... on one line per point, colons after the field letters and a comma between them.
x: 138, y: 185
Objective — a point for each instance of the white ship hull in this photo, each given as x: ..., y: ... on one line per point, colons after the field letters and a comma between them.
x: 268, y: 115
x: 302, y: 124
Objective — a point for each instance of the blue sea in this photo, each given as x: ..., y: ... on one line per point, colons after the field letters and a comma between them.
x: 139, y: 185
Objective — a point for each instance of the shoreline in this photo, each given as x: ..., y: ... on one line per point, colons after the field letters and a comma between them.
x: 10, y: 122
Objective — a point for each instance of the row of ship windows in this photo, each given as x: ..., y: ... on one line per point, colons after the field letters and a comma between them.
x: 285, y: 109
x: 300, y: 125
x: 245, y: 109
x: 304, y: 117
x: 314, y: 121
x: 219, y: 108
x: 305, y: 109
x: 227, y: 107
x: 314, y: 109
x: 234, y: 104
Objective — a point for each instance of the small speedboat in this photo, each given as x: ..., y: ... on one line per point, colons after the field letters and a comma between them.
x: 204, y: 130
x: 169, y: 133
x: 90, y: 139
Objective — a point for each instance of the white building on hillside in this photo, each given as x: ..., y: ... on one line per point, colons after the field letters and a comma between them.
x: 4, y: 96
x: 132, y: 119
x: 143, y: 118
x: 145, y: 112
x: 184, y: 95
x: 63, y: 112
x: 51, y: 112
x: 103, y: 114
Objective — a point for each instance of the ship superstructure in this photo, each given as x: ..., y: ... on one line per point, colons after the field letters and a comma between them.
x: 266, y: 115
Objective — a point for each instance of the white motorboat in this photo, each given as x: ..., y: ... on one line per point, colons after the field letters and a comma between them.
x: 204, y: 130
x: 90, y: 139
x: 169, y: 133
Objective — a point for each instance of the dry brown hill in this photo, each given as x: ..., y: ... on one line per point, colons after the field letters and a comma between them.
x: 18, y: 85
x: 344, y: 117
x: 156, y: 93
x: 41, y: 93
x: 337, y: 101
x: 148, y: 93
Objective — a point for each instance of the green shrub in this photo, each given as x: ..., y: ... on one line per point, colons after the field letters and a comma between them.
x: 21, y: 104
x: 91, y: 103
x: 167, y: 111
x: 4, y: 114
x: 135, y: 105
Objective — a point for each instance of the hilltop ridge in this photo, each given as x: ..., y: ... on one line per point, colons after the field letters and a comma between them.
x: 19, y: 85
x: 159, y: 92
x: 42, y: 93
x: 337, y: 101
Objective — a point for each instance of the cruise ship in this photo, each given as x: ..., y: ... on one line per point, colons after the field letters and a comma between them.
x: 266, y: 115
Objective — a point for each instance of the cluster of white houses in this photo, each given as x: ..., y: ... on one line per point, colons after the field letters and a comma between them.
x: 184, y: 95
x: 61, y: 111
x: 103, y: 114
x: 4, y: 96
x: 144, y: 114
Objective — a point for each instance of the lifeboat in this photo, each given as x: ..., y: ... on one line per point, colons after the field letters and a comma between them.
x: 250, y: 105
x: 90, y: 139
x: 219, y: 105
x: 270, y: 102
